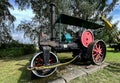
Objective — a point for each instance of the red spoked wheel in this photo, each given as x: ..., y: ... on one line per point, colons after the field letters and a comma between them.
x: 97, y: 52
x: 86, y: 38
x: 38, y: 61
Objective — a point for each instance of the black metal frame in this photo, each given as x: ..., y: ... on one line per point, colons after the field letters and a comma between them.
x: 76, y: 46
x: 61, y: 46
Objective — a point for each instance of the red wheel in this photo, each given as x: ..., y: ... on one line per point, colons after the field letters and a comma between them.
x: 86, y: 38
x: 37, y: 61
x: 97, y: 52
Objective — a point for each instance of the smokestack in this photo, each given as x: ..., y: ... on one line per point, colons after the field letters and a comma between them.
x: 52, y: 19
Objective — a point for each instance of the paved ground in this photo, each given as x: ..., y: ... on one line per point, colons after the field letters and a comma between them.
x: 73, y: 72
x: 67, y: 73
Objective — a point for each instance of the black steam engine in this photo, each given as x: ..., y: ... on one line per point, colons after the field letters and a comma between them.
x: 83, y: 46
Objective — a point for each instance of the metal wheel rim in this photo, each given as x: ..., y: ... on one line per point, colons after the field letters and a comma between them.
x: 49, y: 71
x: 98, y: 52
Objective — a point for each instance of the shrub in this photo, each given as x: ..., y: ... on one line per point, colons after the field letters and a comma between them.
x: 15, y: 49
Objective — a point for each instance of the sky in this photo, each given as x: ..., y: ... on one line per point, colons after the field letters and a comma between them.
x: 27, y: 15
x: 21, y: 15
x: 116, y: 14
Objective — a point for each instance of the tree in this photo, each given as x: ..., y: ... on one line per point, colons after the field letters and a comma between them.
x: 92, y: 10
x: 86, y: 9
x: 42, y: 16
x: 106, y: 34
x: 6, y: 21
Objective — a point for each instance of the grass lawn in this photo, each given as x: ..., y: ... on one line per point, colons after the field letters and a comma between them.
x: 110, y: 74
x: 14, y: 70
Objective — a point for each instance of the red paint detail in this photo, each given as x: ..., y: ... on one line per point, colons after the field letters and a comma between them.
x: 40, y: 62
x: 87, y: 38
x: 97, y: 52
x: 51, y: 61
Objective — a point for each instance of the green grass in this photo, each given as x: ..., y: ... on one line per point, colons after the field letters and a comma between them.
x: 110, y: 74
x: 14, y: 70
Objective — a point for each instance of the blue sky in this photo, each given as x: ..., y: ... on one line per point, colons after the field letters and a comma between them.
x: 116, y: 14
x: 27, y: 15
x: 21, y: 15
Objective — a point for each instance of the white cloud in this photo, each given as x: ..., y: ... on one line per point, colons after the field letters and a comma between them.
x: 115, y: 19
x: 27, y: 15
x: 20, y: 37
x: 21, y: 15
x: 17, y: 36
x: 116, y: 14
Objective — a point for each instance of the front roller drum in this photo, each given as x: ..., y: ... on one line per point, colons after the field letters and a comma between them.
x: 38, y: 60
x: 97, y: 52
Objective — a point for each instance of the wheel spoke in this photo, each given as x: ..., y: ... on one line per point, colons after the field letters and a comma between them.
x: 98, y: 58
x: 38, y: 61
x: 94, y: 50
x: 51, y: 61
x: 99, y: 46
x: 98, y: 52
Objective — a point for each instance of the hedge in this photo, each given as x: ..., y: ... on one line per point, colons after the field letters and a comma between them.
x: 15, y: 50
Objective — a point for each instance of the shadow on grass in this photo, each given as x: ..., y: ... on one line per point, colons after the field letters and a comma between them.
x: 28, y: 76
x: 19, y: 66
x: 35, y: 79
x: 114, y: 67
x: 25, y: 75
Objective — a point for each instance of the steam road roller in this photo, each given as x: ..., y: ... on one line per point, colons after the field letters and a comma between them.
x: 82, y: 45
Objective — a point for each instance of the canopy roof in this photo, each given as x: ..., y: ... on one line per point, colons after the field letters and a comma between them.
x: 70, y: 20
